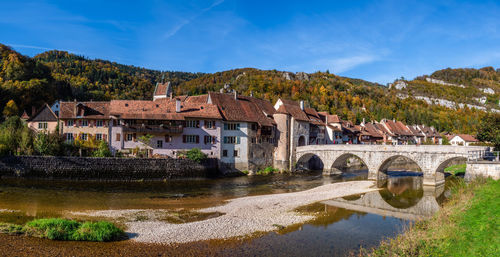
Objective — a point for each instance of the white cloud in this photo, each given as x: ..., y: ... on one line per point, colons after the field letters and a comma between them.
x: 185, y: 22
x: 340, y: 65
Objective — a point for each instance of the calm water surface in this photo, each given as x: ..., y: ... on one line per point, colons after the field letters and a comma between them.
x: 336, y: 232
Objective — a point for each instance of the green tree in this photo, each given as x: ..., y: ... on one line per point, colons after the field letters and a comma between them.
x: 445, y: 140
x: 102, y: 150
x: 10, y: 109
x: 196, y: 155
x: 489, y: 130
x: 146, y: 142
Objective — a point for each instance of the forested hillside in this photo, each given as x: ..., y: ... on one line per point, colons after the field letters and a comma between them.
x: 59, y: 75
x: 352, y: 99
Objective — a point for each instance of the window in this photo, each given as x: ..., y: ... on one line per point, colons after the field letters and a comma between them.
x: 42, y: 125
x: 98, y: 123
x: 231, y: 126
x: 168, y: 139
x: 130, y: 137
x: 118, y: 135
x: 209, y: 139
x: 210, y: 124
x: 98, y: 136
x: 235, y: 153
x: 254, y: 140
x: 69, y: 137
x: 254, y: 126
x: 84, y: 137
x: 69, y: 123
x: 224, y: 153
x: 191, y: 139
x: 231, y: 140
x: 85, y: 123
x: 159, y: 144
x: 192, y: 124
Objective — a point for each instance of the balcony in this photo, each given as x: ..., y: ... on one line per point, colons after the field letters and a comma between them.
x: 154, y: 129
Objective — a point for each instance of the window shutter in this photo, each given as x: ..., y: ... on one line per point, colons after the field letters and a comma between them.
x: 197, y: 139
x: 237, y: 126
x: 104, y: 137
x: 197, y: 123
x: 213, y: 139
x: 225, y: 127
x: 237, y: 140
x: 183, y: 138
x: 117, y: 136
x: 91, y: 123
x: 134, y: 137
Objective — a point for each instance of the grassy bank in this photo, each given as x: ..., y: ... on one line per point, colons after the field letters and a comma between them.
x: 467, y: 225
x: 456, y: 170
x: 67, y: 230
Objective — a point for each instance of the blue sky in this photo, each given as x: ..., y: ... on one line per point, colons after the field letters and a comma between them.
x: 373, y: 40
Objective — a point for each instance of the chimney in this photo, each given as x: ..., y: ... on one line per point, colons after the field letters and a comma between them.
x: 177, y: 105
x: 251, y: 93
x: 363, y: 121
x: 235, y: 95
x: 302, y: 104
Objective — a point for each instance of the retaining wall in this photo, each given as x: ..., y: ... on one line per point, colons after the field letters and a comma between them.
x: 482, y: 169
x: 87, y: 168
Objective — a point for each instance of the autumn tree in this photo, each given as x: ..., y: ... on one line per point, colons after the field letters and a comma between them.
x: 10, y: 109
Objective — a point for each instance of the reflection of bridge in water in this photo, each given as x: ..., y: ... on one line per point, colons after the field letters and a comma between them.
x: 373, y: 202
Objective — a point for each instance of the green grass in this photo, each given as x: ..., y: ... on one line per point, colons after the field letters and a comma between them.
x: 66, y: 230
x: 456, y: 170
x: 267, y: 171
x: 468, y: 225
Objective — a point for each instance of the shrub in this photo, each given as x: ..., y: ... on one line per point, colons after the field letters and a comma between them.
x: 268, y: 170
x: 70, y: 230
x: 102, y: 150
x: 196, y: 155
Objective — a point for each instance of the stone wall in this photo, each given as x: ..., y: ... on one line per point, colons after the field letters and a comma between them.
x: 86, y: 168
x: 482, y: 169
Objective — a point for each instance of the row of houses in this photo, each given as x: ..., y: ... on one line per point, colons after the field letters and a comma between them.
x: 243, y: 132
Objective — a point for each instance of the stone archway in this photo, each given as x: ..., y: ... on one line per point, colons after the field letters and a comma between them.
x: 347, y: 161
x: 443, y: 165
x: 309, y: 162
x: 391, y: 164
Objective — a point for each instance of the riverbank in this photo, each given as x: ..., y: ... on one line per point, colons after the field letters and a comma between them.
x: 467, y: 225
x: 241, y: 216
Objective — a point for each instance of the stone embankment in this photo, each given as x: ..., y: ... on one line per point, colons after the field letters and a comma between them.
x: 87, y: 168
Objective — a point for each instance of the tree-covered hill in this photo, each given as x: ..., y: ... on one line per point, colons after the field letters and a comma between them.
x: 60, y: 75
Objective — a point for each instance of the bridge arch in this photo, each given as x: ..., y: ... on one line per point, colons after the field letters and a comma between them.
x: 386, y: 164
x: 443, y: 165
x: 309, y: 162
x: 340, y: 164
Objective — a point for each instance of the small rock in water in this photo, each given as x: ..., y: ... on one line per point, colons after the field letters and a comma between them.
x: 172, y: 196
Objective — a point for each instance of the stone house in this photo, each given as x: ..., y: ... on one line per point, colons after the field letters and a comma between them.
x: 43, y: 120
x: 463, y: 140
x: 333, y: 128
x: 248, y: 133
x: 370, y: 134
x: 293, y: 129
x: 84, y: 120
x: 176, y: 125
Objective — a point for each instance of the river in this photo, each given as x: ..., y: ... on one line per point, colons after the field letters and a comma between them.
x: 342, y: 225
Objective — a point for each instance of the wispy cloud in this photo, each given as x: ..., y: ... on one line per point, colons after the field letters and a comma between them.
x: 28, y: 46
x: 340, y: 65
x: 185, y: 22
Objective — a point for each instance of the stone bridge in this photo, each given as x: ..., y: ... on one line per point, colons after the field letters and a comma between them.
x: 432, y: 159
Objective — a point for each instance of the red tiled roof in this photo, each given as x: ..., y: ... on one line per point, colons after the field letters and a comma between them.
x: 371, y: 130
x: 467, y: 138
x: 240, y: 109
x: 161, y: 89
x: 292, y: 108
x: 314, y: 117
x: 43, y: 114
x: 163, y: 110
x: 88, y: 110
x: 382, y: 128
